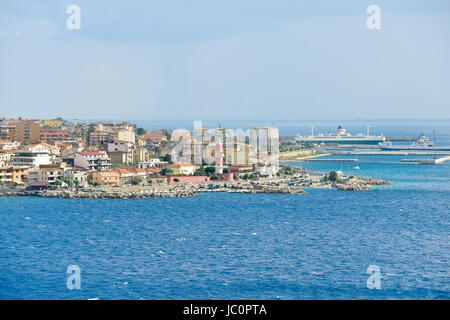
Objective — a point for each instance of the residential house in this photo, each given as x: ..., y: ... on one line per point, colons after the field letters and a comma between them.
x: 182, y: 168
x: 121, y: 152
x: 50, y: 174
x: 110, y: 178
x: 76, y: 176
x: 54, y: 136
x: 93, y: 161
x: 153, y: 163
x: 131, y: 174
x: 13, y: 175
x: 6, y: 145
x: 5, y: 158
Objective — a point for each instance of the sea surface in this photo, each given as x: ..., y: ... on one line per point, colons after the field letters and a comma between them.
x: 239, y: 246
x: 436, y: 129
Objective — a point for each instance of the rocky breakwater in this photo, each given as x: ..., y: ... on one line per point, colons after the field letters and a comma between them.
x: 282, y: 188
x: 354, y: 183
x: 255, y: 187
x: 120, y: 194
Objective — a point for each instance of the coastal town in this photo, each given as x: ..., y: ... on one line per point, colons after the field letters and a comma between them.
x: 60, y: 158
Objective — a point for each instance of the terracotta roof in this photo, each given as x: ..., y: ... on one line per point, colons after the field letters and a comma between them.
x: 39, y: 184
x: 123, y: 171
x: 105, y: 173
x: 54, y: 132
x: 182, y: 164
x: 132, y: 169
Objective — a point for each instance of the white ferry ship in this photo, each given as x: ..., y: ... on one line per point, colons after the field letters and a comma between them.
x: 422, y: 143
x: 341, y: 137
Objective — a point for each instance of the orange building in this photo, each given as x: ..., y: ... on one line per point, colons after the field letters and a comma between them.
x: 13, y: 175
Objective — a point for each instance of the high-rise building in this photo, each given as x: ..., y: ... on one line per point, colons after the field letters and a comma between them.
x: 28, y: 131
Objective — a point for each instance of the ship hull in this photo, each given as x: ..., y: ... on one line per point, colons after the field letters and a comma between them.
x: 400, y: 148
x: 343, y: 142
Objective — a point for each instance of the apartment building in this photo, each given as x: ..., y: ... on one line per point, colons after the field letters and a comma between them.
x: 13, y: 175
x: 94, y: 160
x: 31, y: 158
x: 54, y: 136
x: 28, y: 131
x: 121, y: 152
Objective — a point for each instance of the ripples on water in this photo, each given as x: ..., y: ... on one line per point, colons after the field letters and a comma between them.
x: 236, y: 246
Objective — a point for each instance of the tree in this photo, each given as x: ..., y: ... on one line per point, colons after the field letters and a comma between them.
x: 200, y: 171
x: 214, y: 176
x: 333, y: 176
x: 210, y: 170
x: 141, y: 131
x: 135, y: 181
x: 235, y: 176
x: 225, y: 170
x: 166, y: 171
x: 176, y: 180
x: 167, y: 157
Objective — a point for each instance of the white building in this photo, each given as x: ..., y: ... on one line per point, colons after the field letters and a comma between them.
x: 152, y: 163
x: 6, y: 145
x: 96, y: 161
x: 5, y: 158
x: 125, y: 134
x: 30, y: 158
x: 76, y: 174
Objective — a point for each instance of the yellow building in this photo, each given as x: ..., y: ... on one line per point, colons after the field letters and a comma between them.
x: 105, y: 178
x: 141, y: 154
x: 52, y: 123
x: 237, y: 154
x: 182, y: 168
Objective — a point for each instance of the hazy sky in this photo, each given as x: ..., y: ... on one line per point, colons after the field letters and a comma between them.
x: 230, y: 59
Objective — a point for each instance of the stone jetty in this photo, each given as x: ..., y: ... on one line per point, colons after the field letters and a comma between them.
x: 82, y: 194
x: 355, y: 184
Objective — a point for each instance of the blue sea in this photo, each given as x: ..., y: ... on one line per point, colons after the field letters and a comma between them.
x: 239, y: 246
